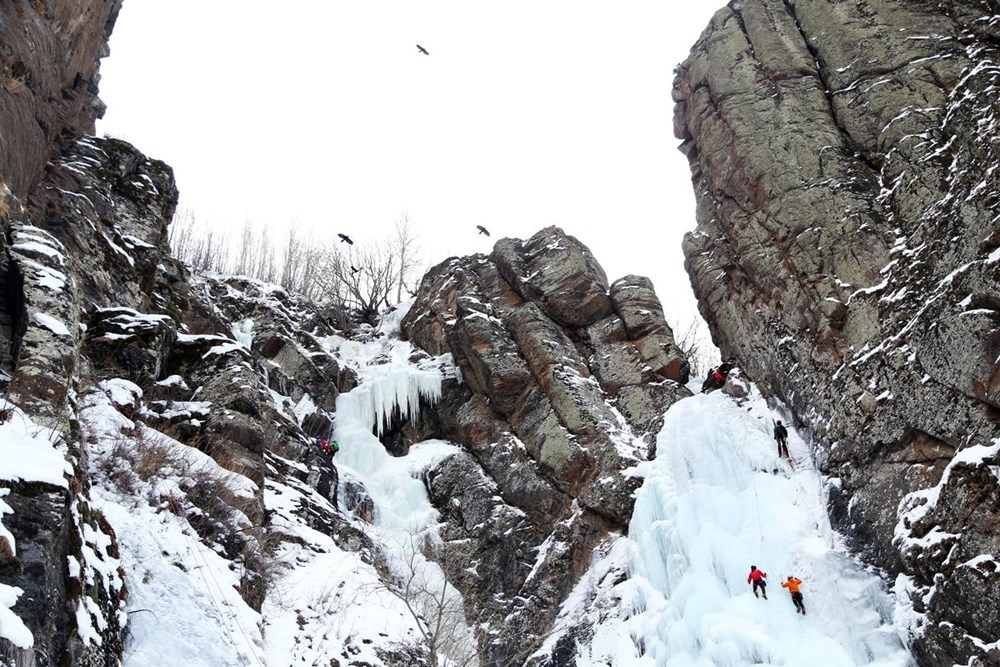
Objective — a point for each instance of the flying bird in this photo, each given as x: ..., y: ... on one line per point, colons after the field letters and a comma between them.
x: 345, y: 237
x: 422, y: 50
x: 354, y: 270
x: 483, y: 230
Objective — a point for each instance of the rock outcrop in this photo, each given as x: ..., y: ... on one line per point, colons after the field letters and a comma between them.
x: 66, y: 558
x: 844, y: 158
x: 565, y: 382
x: 49, y: 57
x: 96, y: 305
x: 201, y: 396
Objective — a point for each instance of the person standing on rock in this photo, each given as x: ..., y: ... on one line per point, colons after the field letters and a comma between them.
x: 792, y: 584
x: 756, y: 578
x: 334, y: 448
x: 781, y: 437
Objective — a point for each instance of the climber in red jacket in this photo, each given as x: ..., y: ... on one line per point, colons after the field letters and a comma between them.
x: 757, y: 577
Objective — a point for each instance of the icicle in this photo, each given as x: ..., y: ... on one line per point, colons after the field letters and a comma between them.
x: 398, y: 388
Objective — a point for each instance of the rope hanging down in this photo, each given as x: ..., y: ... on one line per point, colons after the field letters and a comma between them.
x: 756, y: 498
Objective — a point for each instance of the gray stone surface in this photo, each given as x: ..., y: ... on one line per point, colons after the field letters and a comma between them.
x: 48, y: 81
x: 843, y: 157
x: 565, y: 384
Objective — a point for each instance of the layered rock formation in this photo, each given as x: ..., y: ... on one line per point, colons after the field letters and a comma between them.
x: 49, y: 56
x: 565, y: 382
x: 97, y: 304
x: 91, y: 297
x: 844, y: 158
x: 126, y: 357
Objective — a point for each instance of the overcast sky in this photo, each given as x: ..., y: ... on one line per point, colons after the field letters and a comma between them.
x: 524, y: 114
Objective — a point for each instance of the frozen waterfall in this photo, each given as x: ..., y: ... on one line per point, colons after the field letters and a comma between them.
x: 389, y: 383
x: 717, y: 500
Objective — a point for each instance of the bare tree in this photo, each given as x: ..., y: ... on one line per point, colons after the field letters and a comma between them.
x: 406, y: 249
x: 265, y: 268
x: 253, y: 250
x: 292, y: 259
x: 209, y: 253
x: 369, y: 280
x: 182, y: 236
x: 328, y: 281
x: 361, y: 279
x: 693, y: 341
x: 436, y: 608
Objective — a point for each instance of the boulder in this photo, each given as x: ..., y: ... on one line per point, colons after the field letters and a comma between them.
x: 558, y: 272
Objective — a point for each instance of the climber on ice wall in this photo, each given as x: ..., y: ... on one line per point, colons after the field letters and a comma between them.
x: 792, y: 584
x: 756, y: 578
x: 781, y: 437
x: 716, y: 377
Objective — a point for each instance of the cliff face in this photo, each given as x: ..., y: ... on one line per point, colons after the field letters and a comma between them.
x: 49, y: 57
x: 185, y: 406
x: 844, y: 158
x: 102, y: 321
x: 565, y: 380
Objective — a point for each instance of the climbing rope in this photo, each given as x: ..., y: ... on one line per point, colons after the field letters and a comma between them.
x: 753, y: 482
x: 203, y: 567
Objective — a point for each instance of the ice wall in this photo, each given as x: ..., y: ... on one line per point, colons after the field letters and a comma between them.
x: 717, y: 500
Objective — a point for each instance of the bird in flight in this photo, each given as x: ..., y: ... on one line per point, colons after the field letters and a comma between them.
x: 483, y: 230
x: 354, y: 270
x: 345, y: 237
x: 422, y: 50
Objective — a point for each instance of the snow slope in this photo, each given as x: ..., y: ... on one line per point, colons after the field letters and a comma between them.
x: 184, y: 606
x: 716, y: 500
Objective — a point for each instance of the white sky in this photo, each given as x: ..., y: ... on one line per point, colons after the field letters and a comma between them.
x: 524, y: 114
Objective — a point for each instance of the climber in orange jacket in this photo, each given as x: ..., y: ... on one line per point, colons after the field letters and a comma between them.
x: 757, y: 577
x: 792, y: 584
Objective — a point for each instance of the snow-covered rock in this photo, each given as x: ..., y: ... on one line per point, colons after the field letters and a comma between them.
x: 845, y: 163
x: 564, y: 384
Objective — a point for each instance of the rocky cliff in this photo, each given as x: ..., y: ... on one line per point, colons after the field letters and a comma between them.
x: 179, y: 411
x: 195, y: 400
x: 844, y: 158
x: 49, y: 56
x: 565, y: 380
x: 134, y: 370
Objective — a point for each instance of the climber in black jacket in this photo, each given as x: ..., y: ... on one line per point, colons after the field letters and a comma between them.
x: 781, y: 437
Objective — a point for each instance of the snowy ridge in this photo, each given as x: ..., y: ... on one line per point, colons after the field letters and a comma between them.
x: 716, y: 500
